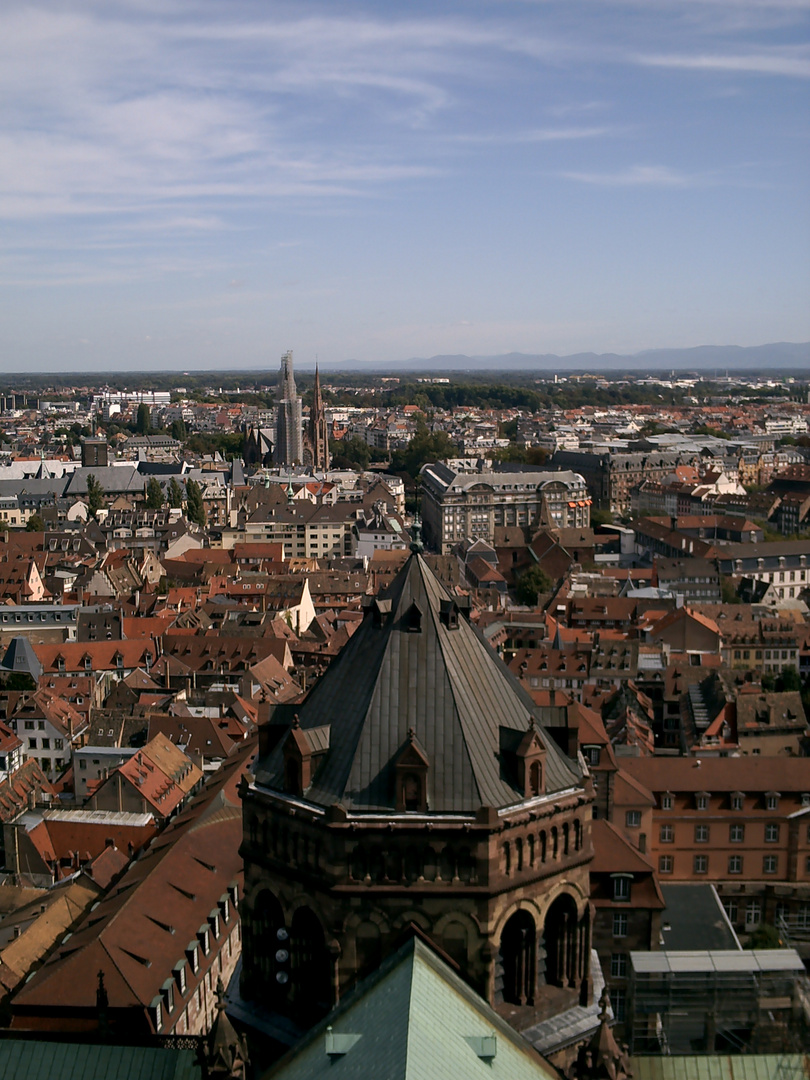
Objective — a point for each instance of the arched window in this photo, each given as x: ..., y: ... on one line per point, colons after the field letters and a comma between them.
x: 292, y: 776
x: 411, y: 791
x: 535, y: 778
x: 517, y: 961
x: 309, y: 962
x: 562, y: 942
x: 543, y: 846
x: 261, y: 944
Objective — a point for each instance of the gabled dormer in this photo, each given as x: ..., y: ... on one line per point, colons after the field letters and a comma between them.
x: 302, y: 749
x: 531, y: 764
x: 410, y: 776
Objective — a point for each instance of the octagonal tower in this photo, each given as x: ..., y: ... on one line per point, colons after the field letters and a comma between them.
x: 415, y: 784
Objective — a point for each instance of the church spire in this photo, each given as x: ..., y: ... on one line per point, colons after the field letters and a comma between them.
x: 318, y: 429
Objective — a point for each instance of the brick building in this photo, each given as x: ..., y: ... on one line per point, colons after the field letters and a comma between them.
x: 741, y: 823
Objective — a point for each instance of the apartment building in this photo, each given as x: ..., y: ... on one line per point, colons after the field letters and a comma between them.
x: 460, y: 504
x: 742, y: 824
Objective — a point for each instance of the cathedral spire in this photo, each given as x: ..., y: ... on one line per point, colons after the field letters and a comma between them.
x: 318, y: 429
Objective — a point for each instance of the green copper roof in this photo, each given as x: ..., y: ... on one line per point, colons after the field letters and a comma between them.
x: 413, y: 1020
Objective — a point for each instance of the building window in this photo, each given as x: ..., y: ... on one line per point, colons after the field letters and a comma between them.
x: 702, y: 801
x: 769, y: 864
x: 632, y: 819
x: 32, y: 744
x: 771, y: 802
x: 701, y: 834
x: 736, y: 834
x: 771, y: 834
x: 735, y: 864
x: 736, y: 802
x: 666, y: 834
x: 621, y: 889
x: 620, y: 924
x: 701, y: 864
x: 753, y: 913
x: 618, y: 965
x: 665, y: 864
x: 666, y: 802
x: 730, y: 907
x: 619, y: 1001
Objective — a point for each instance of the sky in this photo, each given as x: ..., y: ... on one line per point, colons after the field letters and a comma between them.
x: 190, y: 184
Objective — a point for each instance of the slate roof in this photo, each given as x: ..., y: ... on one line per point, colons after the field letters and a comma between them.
x: 444, y: 683
x: 72, y: 1061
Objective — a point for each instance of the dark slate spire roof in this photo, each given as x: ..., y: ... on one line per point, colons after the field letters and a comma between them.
x: 406, y: 668
x: 20, y: 657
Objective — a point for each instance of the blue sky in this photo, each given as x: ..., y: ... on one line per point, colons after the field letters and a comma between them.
x: 207, y: 184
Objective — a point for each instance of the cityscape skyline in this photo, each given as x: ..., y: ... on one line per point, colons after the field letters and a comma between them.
x: 198, y: 187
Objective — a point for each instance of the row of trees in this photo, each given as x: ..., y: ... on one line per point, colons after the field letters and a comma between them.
x: 155, y: 498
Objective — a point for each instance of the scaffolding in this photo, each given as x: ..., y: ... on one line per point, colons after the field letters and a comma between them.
x: 714, y: 1001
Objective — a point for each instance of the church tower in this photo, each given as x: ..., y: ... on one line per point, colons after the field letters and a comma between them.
x: 316, y: 448
x: 416, y: 785
x: 289, y: 448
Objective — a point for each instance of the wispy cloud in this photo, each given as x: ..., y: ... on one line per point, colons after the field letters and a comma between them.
x: 638, y: 176
x: 792, y: 63
x: 540, y: 135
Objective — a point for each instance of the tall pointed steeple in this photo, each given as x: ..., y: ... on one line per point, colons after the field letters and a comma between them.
x: 318, y: 429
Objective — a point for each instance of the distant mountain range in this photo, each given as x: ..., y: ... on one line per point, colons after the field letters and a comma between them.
x: 706, y: 359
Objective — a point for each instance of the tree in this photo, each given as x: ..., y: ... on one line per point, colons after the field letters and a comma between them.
x: 178, y: 430
x: 601, y: 517
x: 422, y: 448
x: 95, y: 495
x: 350, y: 453
x: 728, y: 590
x: 765, y: 937
x: 143, y: 422
x: 175, y: 493
x: 154, y: 494
x: 788, y: 679
x: 35, y: 524
x: 530, y: 583
x: 195, y: 508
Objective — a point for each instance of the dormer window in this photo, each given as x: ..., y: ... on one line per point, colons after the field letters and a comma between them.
x: 411, y: 792
x: 193, y: 956
x: 621, y: 887
x: 448, y: 614
x: 411, y: 773
x: 666, y: 801
x: 737, y: 800
x: 413, y: 619
x: 702, y: 800
x: 204, y: 938
x: 771, y: 800
x: 592, y: 754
